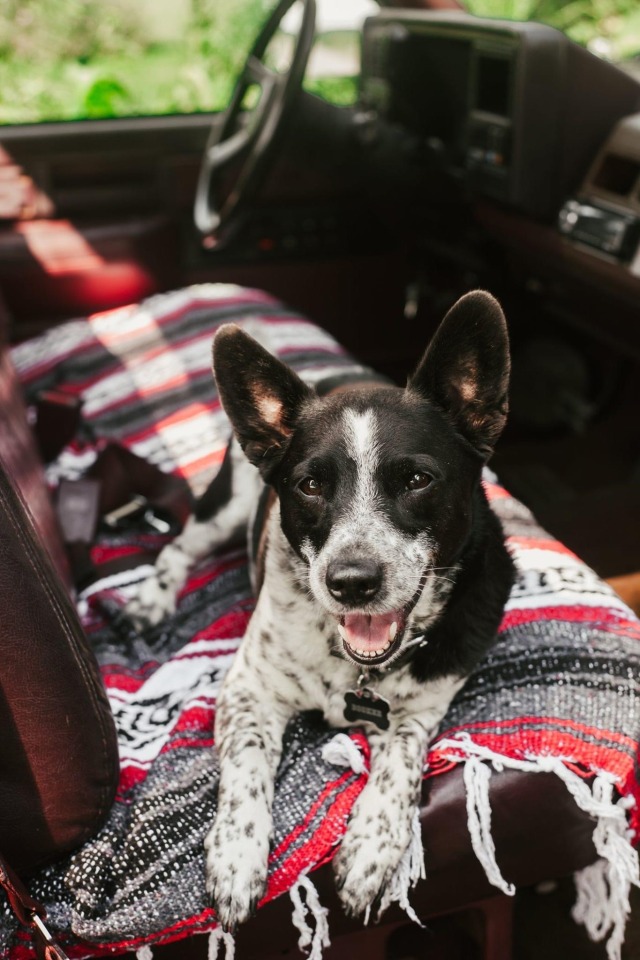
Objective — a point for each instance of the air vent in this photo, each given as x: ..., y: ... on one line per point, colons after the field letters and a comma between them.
x: 617, y: 174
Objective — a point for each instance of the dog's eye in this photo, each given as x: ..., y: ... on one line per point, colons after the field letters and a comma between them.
x: 418, y: 480
x: 310, y: 487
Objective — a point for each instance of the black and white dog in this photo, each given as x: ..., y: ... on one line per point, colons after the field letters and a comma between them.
x: 384, y: 580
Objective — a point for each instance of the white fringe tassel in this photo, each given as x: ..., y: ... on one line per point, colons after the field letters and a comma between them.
x: 603, y: 888
x: 144, y: 953
x: 342, y: 751
x: 218, y: 936
x: 477, y: 777
x: 317, y: 937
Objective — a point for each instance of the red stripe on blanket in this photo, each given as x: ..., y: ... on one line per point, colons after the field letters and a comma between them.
x: 331, y: 830
x: 120, y: 333
x: 613, y: 619
x: 196, y: 726
x: 526, y: 743
x: 147, y: 392
x: 230, y: 626
x: 495, y: 492
x: 201, y: 465
x: 321, y: 845
x: 523, y: 725
x: 38, y: 370
x: 130, y: 777
x: 185, y: 414
x: 101, y: 555
x: 537, y: 543
x: 119, y: 682
x: 211, y: 573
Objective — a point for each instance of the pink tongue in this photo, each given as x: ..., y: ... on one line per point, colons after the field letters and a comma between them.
x: 368, y: 633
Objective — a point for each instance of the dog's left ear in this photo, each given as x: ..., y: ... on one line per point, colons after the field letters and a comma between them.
x: 261, y: 395
x: 465, y: 370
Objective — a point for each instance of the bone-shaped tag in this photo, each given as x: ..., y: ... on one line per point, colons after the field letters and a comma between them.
x: 365, y: 706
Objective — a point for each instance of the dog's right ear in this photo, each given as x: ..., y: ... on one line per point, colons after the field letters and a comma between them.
x: 261, y: 395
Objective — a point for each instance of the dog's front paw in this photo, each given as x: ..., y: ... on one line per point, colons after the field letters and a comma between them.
x: 361, y: 876
x: 368, y: 857
x: 236, y: 874
x: 154, y: 601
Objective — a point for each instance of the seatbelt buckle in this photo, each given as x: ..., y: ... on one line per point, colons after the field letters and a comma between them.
x: 46, y: 947
x: 138, y: 510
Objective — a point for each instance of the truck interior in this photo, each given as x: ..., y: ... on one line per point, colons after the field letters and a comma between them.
x: 477, y: 153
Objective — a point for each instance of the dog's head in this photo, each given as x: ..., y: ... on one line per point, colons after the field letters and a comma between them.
x: 376, y: 485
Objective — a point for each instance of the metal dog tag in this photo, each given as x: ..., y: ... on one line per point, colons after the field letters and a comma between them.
x: 366, y: 706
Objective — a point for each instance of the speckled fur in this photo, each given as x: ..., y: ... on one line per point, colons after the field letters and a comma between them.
x: 439, y: 558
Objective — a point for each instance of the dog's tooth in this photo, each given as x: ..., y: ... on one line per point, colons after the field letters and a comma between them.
x: 393, y: 629
x: 342, y: 631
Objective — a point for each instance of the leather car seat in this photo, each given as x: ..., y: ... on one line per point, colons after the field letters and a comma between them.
x: 58, y: 749
x: 19, y: 454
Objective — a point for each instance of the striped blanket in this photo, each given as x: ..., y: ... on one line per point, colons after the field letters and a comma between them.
x: 561, y: 688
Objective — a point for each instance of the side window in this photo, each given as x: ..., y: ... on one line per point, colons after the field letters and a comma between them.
x: 93, y: 59
x: 89, y: 59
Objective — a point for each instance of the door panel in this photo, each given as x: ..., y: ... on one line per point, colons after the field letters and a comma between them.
x: 98, y: 214
x: 94, y: 213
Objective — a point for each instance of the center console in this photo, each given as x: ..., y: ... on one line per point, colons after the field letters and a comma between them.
x: 515, y: 110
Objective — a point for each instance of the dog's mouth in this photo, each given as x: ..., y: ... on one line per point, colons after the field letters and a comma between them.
x: 371, y: 639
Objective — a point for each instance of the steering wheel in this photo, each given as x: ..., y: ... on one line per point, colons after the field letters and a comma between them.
x: 257, y: 138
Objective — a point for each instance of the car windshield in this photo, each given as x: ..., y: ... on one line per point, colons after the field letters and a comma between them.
x: 93, y: 59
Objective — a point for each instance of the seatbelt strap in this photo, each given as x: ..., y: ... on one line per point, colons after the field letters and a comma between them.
x: 30, y: 913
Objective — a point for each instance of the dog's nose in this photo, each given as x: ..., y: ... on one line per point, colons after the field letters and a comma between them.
x: 354, y: 582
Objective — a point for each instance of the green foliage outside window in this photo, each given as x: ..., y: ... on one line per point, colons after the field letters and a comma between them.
x: 70, y: 59
x: 609, y: 27
x: 90, y: 59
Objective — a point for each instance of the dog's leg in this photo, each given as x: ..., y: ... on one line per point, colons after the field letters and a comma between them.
x: 228, y: 502
x: 249, y: 730
x: 157, y: 596
x: 379, y: 829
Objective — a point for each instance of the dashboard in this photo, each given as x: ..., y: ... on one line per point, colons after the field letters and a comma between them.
x: 515, y: 110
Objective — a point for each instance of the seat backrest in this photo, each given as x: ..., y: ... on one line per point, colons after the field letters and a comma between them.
x: 58, y: 749
x: 19, y: 454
